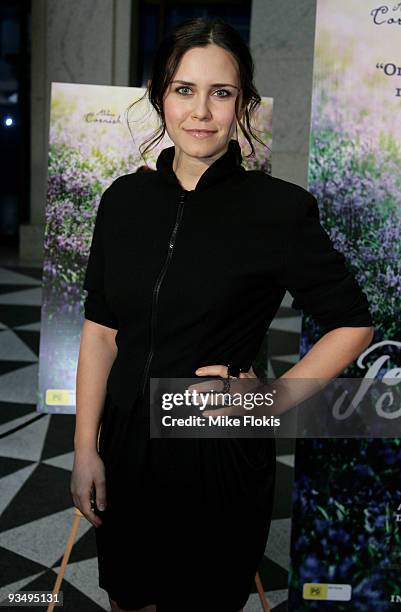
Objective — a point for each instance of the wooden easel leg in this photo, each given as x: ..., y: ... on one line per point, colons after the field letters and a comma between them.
x: 66, y: 556
x: 261, y: 593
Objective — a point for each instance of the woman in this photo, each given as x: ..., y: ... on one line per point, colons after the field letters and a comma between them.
x: 187, y: 268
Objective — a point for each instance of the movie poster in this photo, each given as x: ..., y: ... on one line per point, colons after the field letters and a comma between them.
x: 93, y: 139
x: 346, y: 539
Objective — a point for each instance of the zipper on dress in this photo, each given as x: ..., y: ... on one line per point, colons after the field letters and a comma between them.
x: 157, y: 287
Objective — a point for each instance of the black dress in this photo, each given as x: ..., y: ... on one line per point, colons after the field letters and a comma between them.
x: 192, y: 278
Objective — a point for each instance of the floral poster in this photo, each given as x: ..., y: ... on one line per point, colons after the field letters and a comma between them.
x: 346, y: 539
x: 93, y: 139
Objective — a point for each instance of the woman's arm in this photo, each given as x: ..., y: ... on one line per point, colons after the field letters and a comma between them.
x: 97, y: 353
x: 319, y: 280
x: 324, y: 361
x: 332, y: 353
x: 96, y: 356
x: 98, y: 348
x: 318, y: 277
x: 327, y: 358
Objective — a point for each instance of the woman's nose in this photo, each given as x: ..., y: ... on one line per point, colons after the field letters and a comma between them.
x: 201, y: 108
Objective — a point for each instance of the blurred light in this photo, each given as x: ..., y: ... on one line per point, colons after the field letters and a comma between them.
x: 8, y: 121
x: 13, y: 98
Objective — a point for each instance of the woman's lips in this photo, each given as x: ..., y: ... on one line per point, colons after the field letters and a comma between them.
x: 200, y: 133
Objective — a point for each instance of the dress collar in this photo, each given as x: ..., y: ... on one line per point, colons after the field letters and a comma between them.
x: 228, y: 163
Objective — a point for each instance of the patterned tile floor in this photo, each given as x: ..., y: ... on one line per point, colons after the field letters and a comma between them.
x: 36, y: 455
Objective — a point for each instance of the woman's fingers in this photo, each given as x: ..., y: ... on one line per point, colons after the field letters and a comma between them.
x: 221, y: 370
x: 87, y: 484
x: 82, y: 501
x: 212, y: 370
x: 100, y: 488
x: 216, y: 370
x: 87, y: 511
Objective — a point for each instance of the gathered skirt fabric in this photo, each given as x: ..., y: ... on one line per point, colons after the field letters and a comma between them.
x: 187, y: 519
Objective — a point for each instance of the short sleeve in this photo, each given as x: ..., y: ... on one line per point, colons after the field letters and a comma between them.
x: 95, y: 305
x: 317, y: 275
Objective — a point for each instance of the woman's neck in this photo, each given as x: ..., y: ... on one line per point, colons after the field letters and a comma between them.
x: 188, y: 169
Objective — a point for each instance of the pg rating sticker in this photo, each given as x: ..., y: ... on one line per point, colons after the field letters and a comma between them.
x: 328, y: 592
x: 60, y: 397
x: 31, y: 598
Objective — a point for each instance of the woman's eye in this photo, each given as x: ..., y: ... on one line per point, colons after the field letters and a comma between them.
x: 225, y: 91
x: 182, y: 87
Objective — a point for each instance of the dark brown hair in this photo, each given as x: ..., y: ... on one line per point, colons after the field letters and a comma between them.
x: 200, y: 32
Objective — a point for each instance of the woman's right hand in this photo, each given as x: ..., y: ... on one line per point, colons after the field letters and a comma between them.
x: 87, y: 473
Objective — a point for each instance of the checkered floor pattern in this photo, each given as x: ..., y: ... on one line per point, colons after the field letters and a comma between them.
x: 36, y: 456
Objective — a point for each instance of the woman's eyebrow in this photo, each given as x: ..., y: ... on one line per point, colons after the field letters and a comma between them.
x: 213, y: 85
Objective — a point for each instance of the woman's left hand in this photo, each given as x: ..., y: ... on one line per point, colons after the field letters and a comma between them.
x: 216, y: 387
x: 222, y: 370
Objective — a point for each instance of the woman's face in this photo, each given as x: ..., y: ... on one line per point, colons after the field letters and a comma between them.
x: 199, y: 103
